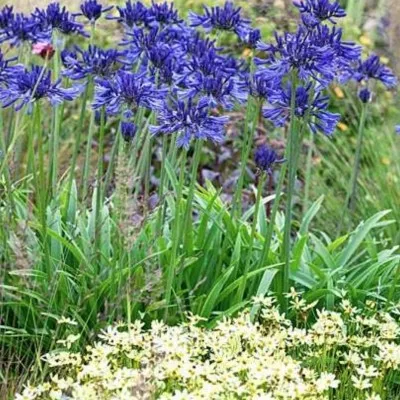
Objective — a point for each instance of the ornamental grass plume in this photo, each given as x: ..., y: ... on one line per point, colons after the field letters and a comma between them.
x: 341, y: 354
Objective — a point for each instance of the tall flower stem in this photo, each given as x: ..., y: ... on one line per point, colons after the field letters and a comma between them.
x: 293, y: 141
x: 55, y: 137
x: 352, y: 193
x: 242, y: 288
x: 78, y: 139
x: 86, y: 165
x: 160, y: 214
x: 187, y: 245
x: 252, y: 113
x: 176, y: 231
x: 40, y: 185
x: 99, y: 186
x: 271, y: 225
x: 308, y: 176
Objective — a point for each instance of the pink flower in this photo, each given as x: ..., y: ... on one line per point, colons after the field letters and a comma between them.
x: 44, y: 50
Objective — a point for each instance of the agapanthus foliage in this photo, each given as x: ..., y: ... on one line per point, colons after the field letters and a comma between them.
x: 226, y: 18
x: 127, y: 90
x: 92, y: 10
x: 35, y: 84
x: 94, y: 62
x: 265, y: 158
x: 313, y: 109
x: 190, y: 120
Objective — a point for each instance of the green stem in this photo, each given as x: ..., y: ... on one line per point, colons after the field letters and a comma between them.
x: 308, y: 173
x: 99, y: 186
x: 189, y: 204
x: 243, y: 283
x: 160, y: 215
x: 352, y: 194
x: 251, y: 120
x: 77, y: 144
x: 271, y: 225
x: 292, y: 167
x: 170, y: 272
x: 86, y: 165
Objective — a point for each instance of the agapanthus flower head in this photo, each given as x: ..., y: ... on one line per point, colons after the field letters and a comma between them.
x: 164, y: 13
x: 6, y: 16
x: 92, y: 10
x: 128, y: 130
x: 265, y: 158
x: 96, y: 62
x: 8, y: 71
x: 397, y: 129
x: 44, y: 50
x: 128, y: 90
x: 297, y: 52
x: 20, y: 29
x: 320, y: 10
x: 314, y: 108
x: 133, y: 14
x: 218, y: 88
x: 346, y: 53
x: 252, y: 38
x: 365, y: 95
x: 190, y: 120
x: 372, y: 68
x: 227, y: 18
x: 55, y: 17
x: 33, y: 85
x: 258, y: 85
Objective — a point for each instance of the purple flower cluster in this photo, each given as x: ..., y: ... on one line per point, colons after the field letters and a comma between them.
x: 32, y: 85
x: 170, y: 67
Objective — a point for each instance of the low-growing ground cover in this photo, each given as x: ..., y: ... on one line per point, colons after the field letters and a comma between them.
x: 183, y: 165
x: 342, y: 354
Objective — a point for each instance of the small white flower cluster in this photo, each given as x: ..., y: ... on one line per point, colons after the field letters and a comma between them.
x: 343, y: 354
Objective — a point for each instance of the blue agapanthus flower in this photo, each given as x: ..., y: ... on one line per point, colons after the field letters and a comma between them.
x: 315, y: 109
x: 6, y: 16
x: 372, y: 68
x: 95, y: 62
x: 20, y: 29
x: 128, y: 130
x: 365, y: 95
x: 265, y: 158
x: 33, y: 85
x: 297, y: 52
x: 164, y: 13
x: 190, y: 120
x: 127, y: 90
x: 93, y: 10
x: 398, y: 129
x: 258, y: 86
x: 252, y: 38
x: 55, y: 17
x: 227, y: 18
x: 133, y: 14
x: 320, y: 10
x: 8, y: 71
x: 346, y: 53
x: 219, y: 89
